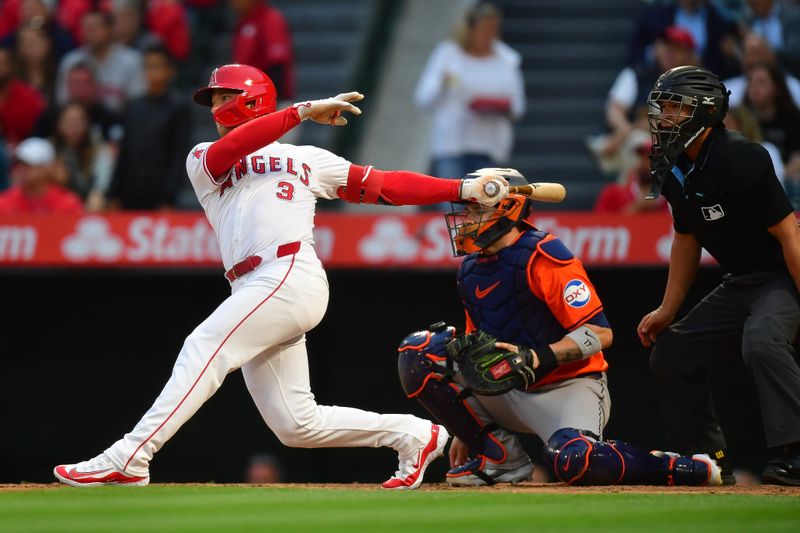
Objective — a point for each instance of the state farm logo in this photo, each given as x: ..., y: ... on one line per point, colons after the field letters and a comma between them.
x: 607, y: 244
x: 143, y: 239
x: 92, y: 240
x: 391, y: 240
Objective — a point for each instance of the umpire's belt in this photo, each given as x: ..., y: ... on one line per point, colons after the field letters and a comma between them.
x: 250, y: 263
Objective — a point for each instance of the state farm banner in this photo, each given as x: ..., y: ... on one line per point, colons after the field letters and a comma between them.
x: 385, y: 240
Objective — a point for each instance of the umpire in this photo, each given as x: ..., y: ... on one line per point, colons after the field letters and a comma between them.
x: 725, y: 198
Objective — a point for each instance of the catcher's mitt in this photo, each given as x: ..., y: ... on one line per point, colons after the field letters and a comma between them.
x: 487, y: 369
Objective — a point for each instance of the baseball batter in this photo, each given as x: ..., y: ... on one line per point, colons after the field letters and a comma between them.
x: 531, y: 361
x: 259, y: 196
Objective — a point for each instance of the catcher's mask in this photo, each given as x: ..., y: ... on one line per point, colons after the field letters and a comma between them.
x: 257, y: 98
x: 474, y: 226
x: 684, y: 102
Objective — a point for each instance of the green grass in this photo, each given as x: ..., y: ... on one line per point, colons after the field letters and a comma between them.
x: 225, y: 509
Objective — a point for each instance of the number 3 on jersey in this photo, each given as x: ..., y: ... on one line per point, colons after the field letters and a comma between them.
x: 286, y: 191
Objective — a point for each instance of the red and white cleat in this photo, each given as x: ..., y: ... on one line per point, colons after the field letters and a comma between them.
x: 412, y: 468
x: 96, y: 472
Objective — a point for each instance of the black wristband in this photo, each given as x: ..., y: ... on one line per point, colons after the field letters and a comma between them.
x: 547, y: 359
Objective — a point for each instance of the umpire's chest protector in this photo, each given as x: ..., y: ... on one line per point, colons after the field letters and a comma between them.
x: 498, y: 299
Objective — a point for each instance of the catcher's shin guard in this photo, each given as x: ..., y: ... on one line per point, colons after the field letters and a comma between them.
x: 426, y: 377
x: 578, y: 458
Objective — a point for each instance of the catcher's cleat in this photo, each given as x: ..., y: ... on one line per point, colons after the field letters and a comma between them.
x: 412, y: 467
x: 95, y: 472
x: 784, y: 470
x: 699, y: 469
x: 481, y: 471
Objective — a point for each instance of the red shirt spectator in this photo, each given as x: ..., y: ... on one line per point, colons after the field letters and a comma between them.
x: 628, y: 198
x: 20, y: 104
x: 167, y: 19
x: 261, y: 39
x: 33, y: 191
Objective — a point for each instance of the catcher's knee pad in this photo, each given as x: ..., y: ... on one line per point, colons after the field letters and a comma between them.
x: 425, y: 376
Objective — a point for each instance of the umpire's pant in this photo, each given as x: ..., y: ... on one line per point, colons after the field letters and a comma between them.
x: 755, y: 316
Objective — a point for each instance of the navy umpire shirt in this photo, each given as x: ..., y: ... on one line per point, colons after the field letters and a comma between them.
x: 727, y: 199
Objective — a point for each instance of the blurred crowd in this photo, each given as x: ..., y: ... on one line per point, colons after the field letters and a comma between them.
x: 94, y: 102
x: 94, y: 111
x: 753, y: 45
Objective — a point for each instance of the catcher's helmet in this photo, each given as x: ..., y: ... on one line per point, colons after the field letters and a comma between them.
x: 473, y: 226
x: 257, y: 98
x: 702, y: 101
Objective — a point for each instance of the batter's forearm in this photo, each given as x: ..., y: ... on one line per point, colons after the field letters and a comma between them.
x: 368, y: 185
x: 248, y: 138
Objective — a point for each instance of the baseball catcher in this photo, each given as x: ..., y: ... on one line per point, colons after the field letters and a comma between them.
x: 530, y: 361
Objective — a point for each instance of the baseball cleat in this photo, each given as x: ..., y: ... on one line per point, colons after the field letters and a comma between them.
x: 412, y: 468
x: 784, y: 470
x: 699, y: 469
x: 480, y: 471
x: 96, y: 472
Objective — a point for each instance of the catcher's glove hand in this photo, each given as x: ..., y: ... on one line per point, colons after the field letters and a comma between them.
x: 487, y: 369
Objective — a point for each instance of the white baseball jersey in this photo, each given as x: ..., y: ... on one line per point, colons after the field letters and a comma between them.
x: 268, y: 198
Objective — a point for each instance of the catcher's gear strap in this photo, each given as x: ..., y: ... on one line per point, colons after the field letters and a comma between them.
x: 368, y: 185
x: 586, y: 339
x: 246, y: 139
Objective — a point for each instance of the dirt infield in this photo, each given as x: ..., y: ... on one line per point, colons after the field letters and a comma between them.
x: 533, y: 488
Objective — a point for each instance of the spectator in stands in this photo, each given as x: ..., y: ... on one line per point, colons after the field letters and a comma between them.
x: 3, y: 165
x: 628, y: 197
x: 264, y: 468
x: 743, y: 120
x: 129, y: 30
x: 167, y: 19
x: 16, y: 14
x: 84, y: 163
x: 36, y: 60
x: 261, y: 39
x: 473, y: 88
x: 33, y: 191
x: 150, y: 169
x: 20, y: 104
x: 779, y: 24
x: 714, y: 36
x: 627, y: 99
x: 777, y: 115
x: 757, y: 51
x: 82, y: 89
x: 117, y: 68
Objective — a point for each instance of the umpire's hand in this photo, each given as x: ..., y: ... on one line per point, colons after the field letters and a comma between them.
x: 654, y: 323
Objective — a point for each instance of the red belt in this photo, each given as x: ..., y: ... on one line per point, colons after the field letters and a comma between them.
x: 250, y: 263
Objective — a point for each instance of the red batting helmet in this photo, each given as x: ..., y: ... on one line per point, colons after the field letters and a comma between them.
x: 258, y: 95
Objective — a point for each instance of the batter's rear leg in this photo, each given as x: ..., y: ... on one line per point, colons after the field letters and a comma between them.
x: 279, y: 384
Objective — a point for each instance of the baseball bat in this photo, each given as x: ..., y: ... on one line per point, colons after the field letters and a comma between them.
x: 542, y: 192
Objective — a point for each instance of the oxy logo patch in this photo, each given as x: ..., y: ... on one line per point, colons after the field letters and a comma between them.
x: 577, y: 293
x: 712, y: 213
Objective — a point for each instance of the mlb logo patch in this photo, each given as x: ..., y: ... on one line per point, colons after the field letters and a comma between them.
x: 577, y: 293
x: 712, y: 213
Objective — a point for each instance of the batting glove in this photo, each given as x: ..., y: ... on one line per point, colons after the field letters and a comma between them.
x: 329, y: 110
x: 486, y: 190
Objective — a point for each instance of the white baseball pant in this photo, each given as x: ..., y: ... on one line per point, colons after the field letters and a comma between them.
x: 261, y: 328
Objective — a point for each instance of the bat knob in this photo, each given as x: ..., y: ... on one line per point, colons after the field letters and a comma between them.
x: 491, y: 189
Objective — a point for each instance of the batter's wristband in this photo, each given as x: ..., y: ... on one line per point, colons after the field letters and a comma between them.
x: 547, y: 359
